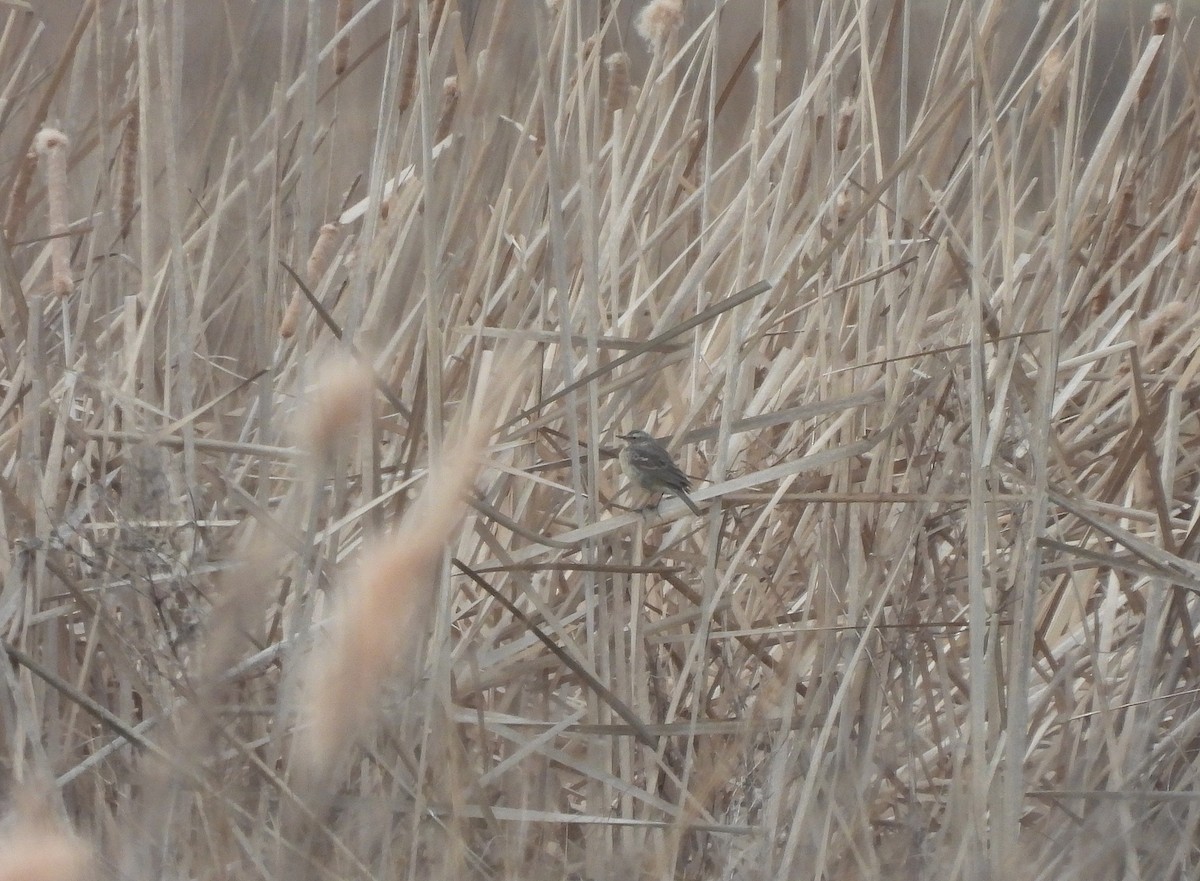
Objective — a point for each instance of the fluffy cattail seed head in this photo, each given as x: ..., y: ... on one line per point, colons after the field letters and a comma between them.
x: 658, y: 20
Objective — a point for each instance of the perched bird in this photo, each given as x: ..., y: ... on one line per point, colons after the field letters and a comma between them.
x: 648, y: 465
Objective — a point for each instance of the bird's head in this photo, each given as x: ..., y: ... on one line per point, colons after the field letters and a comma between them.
x: 635, y: 436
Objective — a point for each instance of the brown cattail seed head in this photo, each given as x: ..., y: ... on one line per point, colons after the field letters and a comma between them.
x: 382, y: 613
x: 52, y: 145
x: 44, y: 856
x: 842, y: 205
x: 1187, y: 232
x: 318, y: 263
x: 1156, y: 329
x: 341, y: 54
x: 436, y: 9
x: 339, y: 405
x: 1051, y: 70
x: 618, y: 82
x: 408, y: 73
x: 1160, y: 18
x: 658, y: 20
x: 845, y: 121
x: 322, y: 253
x: 36, y: 846
x: 127, y: 171
x: 291, y: 317
x: 450, y: 94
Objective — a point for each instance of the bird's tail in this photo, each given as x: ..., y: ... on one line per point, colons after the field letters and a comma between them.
x: 687, y: 500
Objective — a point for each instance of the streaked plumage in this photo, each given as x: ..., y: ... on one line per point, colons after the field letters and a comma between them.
x: 648, y: 465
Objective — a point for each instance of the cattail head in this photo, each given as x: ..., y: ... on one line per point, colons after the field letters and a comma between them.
x: 842, y: 205
x: 35, y: 846
x: 50, y: 139
x: 1157, y: 347
x: 314, y: 270
x: 291, y: 317
x: 658, y: 20
x: 127, y: 171
x: 408, y: 72
x: 52, y: 145
x: 382, y: 612
x: 341, y: 54
x: 1160, y: 18
x: 618, y: 81
x: 1191, y: 222
x: 845, y: 121
x: 322, y: 253
x: 44, y: 856
x: 339, y: 405
x: 1051, y: 69
x: 450, y: 95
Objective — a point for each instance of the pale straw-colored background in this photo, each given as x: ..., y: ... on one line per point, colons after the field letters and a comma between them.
x: 317, y: 564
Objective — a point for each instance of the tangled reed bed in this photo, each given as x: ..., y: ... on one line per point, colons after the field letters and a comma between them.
x: 316, y: 560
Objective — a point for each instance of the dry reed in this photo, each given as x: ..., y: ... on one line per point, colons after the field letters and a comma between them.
x: 940, y: 615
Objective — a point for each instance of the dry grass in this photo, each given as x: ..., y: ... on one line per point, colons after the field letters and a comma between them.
x: 911, y: 287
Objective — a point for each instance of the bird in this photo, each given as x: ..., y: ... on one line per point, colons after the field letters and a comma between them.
x: 647, y: 464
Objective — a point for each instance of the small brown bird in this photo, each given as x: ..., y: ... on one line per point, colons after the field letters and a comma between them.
x: 648, y: 465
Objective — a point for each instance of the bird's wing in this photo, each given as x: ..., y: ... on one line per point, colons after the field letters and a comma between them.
x: 648, y: 457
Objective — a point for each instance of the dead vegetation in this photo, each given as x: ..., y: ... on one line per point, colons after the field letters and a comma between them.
x: 316, y: 334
